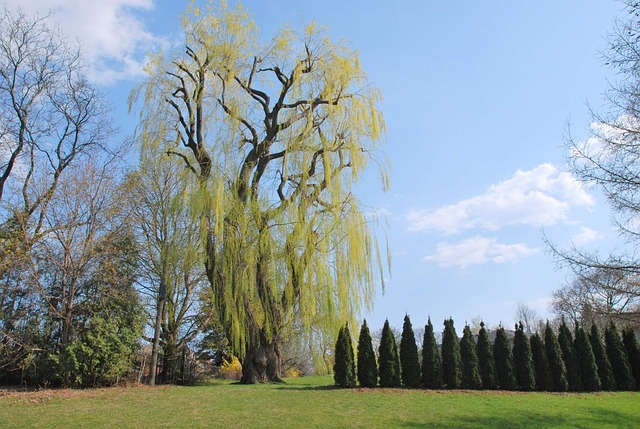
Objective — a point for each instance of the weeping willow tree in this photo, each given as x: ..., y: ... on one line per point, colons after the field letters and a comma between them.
x: 277, y: 134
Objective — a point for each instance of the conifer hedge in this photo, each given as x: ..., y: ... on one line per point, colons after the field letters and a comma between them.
x: 389, y: 366
x: 523, y: 360
x: 486, y: 362
x: 607, y: 380
x: 470, y: 369
x: 367, y: 368
x: 431, y: 365
x: 451, y: 360
x: 344, y: 371
x: 409, y: 363
x: 504, y: 361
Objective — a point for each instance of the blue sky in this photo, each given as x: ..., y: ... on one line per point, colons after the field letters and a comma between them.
x: 477, y: 95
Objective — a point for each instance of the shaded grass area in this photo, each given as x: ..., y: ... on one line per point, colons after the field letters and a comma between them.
x: 311, y: 402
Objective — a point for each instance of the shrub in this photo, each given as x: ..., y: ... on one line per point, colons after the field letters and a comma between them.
x: 504, y: 361
x: 633, y: 353
x: 618, y: 358
x: 588, y: 366
x: 574, y: 375
x: 557, y: 368
x: 470, y: 371
x: 367, y: 369
x: 523, y: 360
x: 540, y: 363
x: 409, y: 364
x: 607, y: 380
x: 389, y: 366
x: 344, y: 371
x: 451, y: 360
x: 431, y: 365
x: 486, y: 361
x: 231, y: 369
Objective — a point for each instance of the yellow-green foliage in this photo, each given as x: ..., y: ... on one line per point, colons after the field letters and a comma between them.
x: 289, y: 126
x: 231, y: 369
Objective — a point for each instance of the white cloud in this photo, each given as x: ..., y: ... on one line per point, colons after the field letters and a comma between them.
x: 586, y: 236
x: 478, y: 250
x: 114, y: 40
x: 542, y: 196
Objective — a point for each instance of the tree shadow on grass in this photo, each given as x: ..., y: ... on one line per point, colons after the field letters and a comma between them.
x: 593, y: 418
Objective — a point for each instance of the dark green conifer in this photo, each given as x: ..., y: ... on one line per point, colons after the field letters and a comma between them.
x: 504, y: 361
x: 540, y: 363
x: 618, y: 358
x: 523, y: 360
x: 486, y: 361
x: 605, y: 372
x: 470, y: 370
x: 367, y: 368
x: 574, y: 375
x: 557, y: 368
x: 344, y: 371
x: 451, y: 361
x: 389, y: 366
x: 588, y: 366
x: 431, y: 366
x: 633, y: 353
x: 409, y: 363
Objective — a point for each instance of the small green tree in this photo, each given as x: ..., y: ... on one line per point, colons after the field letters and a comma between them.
x: 588, y: 366
x: 367, y: 368
x: 504, y: 361
x: 618, y: 358
x: 633, y: 352
x: 557, y: 368
x: 470, y: 369
x: 523, y: 360
x: 409, y: 363
x: 344, y: 372
x: 605, y: 372
x: 486, y: 361
x: 540, y: 363
x: 574, y: 375
x: 431, y: 365
x: 389, y: 366
x: 451, y: 360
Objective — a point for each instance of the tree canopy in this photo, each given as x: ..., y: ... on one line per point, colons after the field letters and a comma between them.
x: 277, y: 134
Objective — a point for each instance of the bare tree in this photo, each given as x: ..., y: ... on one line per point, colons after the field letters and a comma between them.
x: 528, y: 317
x: 610, y: 159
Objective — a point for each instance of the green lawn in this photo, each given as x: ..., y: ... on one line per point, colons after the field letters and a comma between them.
x: 310, y: 402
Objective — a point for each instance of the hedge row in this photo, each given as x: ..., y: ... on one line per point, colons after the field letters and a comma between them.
x: 562, y: 361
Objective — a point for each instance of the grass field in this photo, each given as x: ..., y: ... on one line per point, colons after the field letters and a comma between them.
x: 310, y: 402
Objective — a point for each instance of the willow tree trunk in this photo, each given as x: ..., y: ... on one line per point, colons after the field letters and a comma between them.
x: 262, y: 364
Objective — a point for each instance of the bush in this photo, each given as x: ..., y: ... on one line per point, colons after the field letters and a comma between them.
x: 486, y: 362
x: 389, y: 366
x: 409, y: 364
x: 470, y: 371
x: 367, y: 368
x: 540, y: 363
x: 344, y: 371
x: 574, y: 374
x: 633, y: 353
x: 523, y: 360
x: 618, y: 358
x: 588, y: 366
x: 557, y: 368
x: 451, y: 360
x: 231, y: 369
x: 607, y: 380
x: 431, y: 365
x: 504, y: 361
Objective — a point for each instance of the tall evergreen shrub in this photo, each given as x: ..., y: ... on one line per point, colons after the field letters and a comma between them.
x: 486, y: 361
x: 633, y: 353
x: 504, y: 361
x: 344, y: 371
x: 523, y: 360
x: 388, y: 366
x: 618, y: 358
x: 409, y: 363
x: 367, y: 368
x: 431, y: 365
x: 588, y: 366
x: 574, y: 375
x: 451, y: 361
x: 605, y: 372
x: 557, y: 368
x: 540, y: 363
x: 470, y: 370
